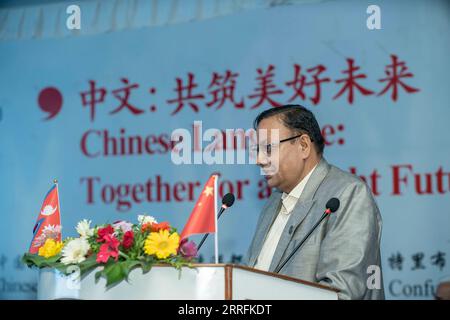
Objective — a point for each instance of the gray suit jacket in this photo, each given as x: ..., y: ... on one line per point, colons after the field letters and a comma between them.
x: 339, y: 252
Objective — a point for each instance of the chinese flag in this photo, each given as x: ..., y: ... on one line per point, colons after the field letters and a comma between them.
x: 203, y: 217
x: 48, y: 224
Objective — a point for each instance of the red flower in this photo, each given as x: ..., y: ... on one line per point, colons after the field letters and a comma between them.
x: 103, y: 232
x: 128, y: 239
x: 109, y: 249
x: 146, y: 227
x: 155, y: 227
x: 162, y: 226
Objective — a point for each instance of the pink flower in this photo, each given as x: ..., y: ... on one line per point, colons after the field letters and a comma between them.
x: 188, y: 249
x: 123, y: 225
x: 109, y: 249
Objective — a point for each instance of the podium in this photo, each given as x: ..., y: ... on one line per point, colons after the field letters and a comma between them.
x: 202, y: 282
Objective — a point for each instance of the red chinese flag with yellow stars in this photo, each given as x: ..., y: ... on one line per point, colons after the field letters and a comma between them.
x: 203, y: 217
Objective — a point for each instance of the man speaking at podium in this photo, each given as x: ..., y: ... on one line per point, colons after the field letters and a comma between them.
x: 343, y: 249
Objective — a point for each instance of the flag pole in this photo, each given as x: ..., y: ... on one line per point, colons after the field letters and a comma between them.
x: 216, y: 234
x: 55, y: 181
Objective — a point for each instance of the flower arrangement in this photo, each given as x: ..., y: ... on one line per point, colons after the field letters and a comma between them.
x: 118, y: 248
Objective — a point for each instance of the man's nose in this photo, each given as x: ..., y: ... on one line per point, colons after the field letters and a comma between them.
x: 262, y: 160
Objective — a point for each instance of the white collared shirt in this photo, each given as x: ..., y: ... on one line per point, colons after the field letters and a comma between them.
x: 273, y: 236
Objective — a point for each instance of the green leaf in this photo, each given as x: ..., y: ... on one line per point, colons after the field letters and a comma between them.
x: 146, y: 266
x: 40, y: 262
x: 53, y: 259
x: 129, y: 265
x: 61, y: 267
x: 98, y: 275
x: 113, y: 273
x: 88, y: 264
x: 85, y: 266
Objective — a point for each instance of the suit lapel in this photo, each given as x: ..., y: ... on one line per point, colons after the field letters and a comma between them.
x: 300, y: 211
x: 297, y: 216
x: 269, y: 214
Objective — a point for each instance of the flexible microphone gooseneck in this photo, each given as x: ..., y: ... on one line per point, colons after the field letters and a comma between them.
x: 331, y: 206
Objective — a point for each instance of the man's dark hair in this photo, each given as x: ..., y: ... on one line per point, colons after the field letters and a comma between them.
x: 298, y: 119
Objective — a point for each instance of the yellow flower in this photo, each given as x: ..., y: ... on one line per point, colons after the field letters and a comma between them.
x: 50, y: 248
x: 162, y: 243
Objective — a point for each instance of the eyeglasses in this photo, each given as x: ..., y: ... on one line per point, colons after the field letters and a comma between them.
x: 267, y: 148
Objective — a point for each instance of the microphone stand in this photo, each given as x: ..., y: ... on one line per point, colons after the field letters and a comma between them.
x: 326, y: 213
x: 222, y: 209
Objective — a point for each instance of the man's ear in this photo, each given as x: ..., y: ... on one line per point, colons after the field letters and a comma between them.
x: 305, y: 145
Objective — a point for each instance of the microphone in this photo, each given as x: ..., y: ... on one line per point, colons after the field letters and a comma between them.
x: 331, y: 206
x: 227, y: 201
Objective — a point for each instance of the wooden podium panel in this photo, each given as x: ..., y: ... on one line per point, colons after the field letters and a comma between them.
x: 248, y: 283
x: 203, y: 282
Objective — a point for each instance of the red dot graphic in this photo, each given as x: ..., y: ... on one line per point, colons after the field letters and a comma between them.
x: 50, y: 101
